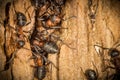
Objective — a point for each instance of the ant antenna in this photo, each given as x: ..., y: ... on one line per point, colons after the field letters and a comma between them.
x: 82, y: 71
x: 117, y: 44
x: 95, y: 68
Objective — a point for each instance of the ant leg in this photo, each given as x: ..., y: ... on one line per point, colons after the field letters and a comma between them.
x: 9, y: 62
x: 42, y: 19
x: 12, y: 27
x: 111, y: 77
x: 14, y: 7
x: 12, y: 57
x: 48, y: 62
x: 50, y: 70
x: 69, y: 18
x: 109, y: 67
x: 39, y: 17
x: 37, y: 48
x: 32, y: 57
x: 43, y: 32
x: 82, y: 70
x: 57, y: 27
x: 116, y: 44
x: 102, y: 47
x: 27, y: 31
x: 33, y: 66
x: 26, y: 10
x: 58, y: 38
x: 36, y: 38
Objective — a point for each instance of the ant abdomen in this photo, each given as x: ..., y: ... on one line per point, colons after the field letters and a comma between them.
x: 41, y: 72
x: 51, y: 47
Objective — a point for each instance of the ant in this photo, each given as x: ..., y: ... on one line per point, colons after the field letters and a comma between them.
x: 114, y: 54
x: 91, y: 74
x: 40, y: 72
x: 53, y: 21
x: 45, y: 46
x: 41, y: 61
x: 20, y: 21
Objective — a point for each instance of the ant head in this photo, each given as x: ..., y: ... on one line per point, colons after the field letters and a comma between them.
x: 114, y: 52
x: 21, y: 19
x: 21, y: 43
x: 91, y: 74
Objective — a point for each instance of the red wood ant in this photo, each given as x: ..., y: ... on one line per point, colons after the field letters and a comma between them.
x: 40, y: 71
x: 114, y: 54
x: 45, y: 46
x: 41, y: 61
x: 53, y: 21
x: 20, y: 22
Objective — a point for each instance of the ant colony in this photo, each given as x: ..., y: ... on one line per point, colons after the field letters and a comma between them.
x: 42, y: 37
